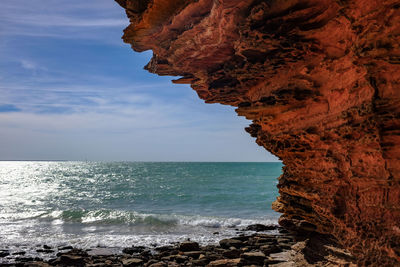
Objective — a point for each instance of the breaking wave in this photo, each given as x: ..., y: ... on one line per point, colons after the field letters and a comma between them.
x: 142, y: 219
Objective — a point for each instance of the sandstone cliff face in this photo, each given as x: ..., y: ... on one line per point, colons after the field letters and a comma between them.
x: 320, y: 79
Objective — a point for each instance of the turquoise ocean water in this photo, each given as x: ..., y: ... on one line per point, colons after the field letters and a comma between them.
x: 120, y: 204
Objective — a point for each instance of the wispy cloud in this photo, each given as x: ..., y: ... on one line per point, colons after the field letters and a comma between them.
x: 105, y: 98
x: 49, y: 20
x: 29, y: 65
x: 61, y: 19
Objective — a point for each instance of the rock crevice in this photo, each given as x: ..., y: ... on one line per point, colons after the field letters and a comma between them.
x: 320, y: 80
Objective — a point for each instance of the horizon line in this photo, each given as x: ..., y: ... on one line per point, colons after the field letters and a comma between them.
x: 134, y: 161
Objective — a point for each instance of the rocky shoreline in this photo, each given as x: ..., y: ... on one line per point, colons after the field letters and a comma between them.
x: 258, y: 248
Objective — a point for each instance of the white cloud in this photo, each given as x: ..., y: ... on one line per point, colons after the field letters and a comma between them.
x: 29, y: 65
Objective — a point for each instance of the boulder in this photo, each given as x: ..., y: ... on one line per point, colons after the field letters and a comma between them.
x: 72, y: 260
x: 189, y: 246
x: 193, y: 254
x: 249, y: 258
x: 4, y: 253
x: 231, y: 253
x: 260, y: 227
x: 227, y: 243
x: 224, y: 263
x: 132, y: 262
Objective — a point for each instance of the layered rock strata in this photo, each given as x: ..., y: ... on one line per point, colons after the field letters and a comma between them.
x: 320, y: 79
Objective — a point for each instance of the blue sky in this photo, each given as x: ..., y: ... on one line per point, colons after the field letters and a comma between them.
x: 71, y: 89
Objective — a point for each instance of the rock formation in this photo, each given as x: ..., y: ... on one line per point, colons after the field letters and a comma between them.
x: 320, y: 79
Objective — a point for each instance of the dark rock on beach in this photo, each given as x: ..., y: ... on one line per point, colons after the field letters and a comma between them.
x: 4, y: 253
x: 44, y: 250
x: 232, y: 253
x: 260, y: 227
x: 133, y: 250
x: 70, y: 260
x: 227, y: 243
x: 189, y: 246
x: 252, y: 258
x: 19, y: 253
x: 224, y: 263
x: 132, y: 262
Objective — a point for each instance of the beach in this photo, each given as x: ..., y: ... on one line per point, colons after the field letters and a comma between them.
x: 255, y: 245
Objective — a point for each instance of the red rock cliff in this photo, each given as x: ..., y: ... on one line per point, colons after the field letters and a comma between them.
x: 320, y: 79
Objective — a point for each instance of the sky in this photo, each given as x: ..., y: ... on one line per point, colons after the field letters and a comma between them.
x: 70, y: 89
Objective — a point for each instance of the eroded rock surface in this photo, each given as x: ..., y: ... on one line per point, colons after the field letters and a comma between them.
x: 320, y: 79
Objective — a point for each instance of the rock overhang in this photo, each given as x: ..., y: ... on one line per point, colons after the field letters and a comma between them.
x: 320, y: 80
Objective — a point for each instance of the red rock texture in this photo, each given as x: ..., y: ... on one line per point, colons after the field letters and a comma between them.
x: 320, y: 79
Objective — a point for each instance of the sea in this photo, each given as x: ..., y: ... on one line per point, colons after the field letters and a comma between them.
x: 123, y: 204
